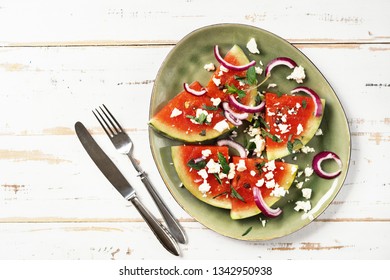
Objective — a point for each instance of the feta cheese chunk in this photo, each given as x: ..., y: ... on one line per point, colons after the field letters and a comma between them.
x: 204, y: 187
x: 175, y: 112
x: 299, y: 129
x: 241, y: 165
x: 302, y: 205
x: 213, y: 167
x: 209, y: 67
x: 216, y: 101
x: 206, y: 153
x: 278, y: 191
x: 298, y: 74
x: 216, y: 81
x: 308, y: 171
x: 221, y: 126
x: 306, y: 193
x: 252, y: 46
x: 203, y: 173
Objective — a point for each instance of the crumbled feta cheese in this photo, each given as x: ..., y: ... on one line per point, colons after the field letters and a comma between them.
x: 299, y: 129
x: 216, y: 101
x: 270, y: 165
x: 284, y: 118
x: 302, y: 205
x: 319, y: 132
x: 232, y: 171
x: 209, y: 67
x: 223, y: 69
x: 294, y: 169
x: 263, y: 222
x: 258, y: 70
x: 203, y: 173
x: 175, y: 112
x: 221, y: 126
x: 272, y: 86
x: 269, y: 175
x: 260, y: 144
x: 297, y: 105
x: 241, y: 165
x: 299, y: 185
x: 306, y: 149
x: 216, y: 81
x: 270, y: 184
x: 308, y: 171
x: 253, y: 173
x: 206, y: 153
x: 298, y: 74
x: 204, y: 187
x: 260, y: 182
x: 252, y: 46
x: 284, y: 128
x: 213, y: 167
x: 278, y: 192
x: 269, y: 113
x: 306, y: 193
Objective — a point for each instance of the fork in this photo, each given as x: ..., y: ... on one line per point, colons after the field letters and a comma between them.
x: 123, y: 143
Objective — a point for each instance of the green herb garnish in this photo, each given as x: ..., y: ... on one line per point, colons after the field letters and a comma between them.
x: 274, y: 138
x: 223, y: 162
x: 247, y: 231
x: 210, y: 108
x: 235, y: 194
x: 197, y: 165
x: 292, y: 145
x: 233, y: 89
x: 251, y: 76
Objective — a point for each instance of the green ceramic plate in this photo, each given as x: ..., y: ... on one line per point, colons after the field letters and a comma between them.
x: 185, y: 64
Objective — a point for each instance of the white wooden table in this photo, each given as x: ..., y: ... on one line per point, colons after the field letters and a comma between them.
x: 61, y: 59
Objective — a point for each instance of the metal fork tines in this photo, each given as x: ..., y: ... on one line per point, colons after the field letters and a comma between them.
x: 122, y: 142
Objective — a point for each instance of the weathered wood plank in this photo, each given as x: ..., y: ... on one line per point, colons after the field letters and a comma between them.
x: 120, y: 22
x: 135, y: 241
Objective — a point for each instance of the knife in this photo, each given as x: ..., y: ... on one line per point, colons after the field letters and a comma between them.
x: 112, y: 173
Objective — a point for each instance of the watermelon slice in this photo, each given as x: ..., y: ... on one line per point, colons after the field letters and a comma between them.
x: 193, y: 165
x: 191, y: 118
x: 233, y: 189
x: 291, y: 119
x: 222, y: 77
x: 273, y: 178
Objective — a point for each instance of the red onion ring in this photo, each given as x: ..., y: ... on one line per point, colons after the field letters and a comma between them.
x: 279, y: 61
x: 249, y: 109
x: 317, y: 100
x: 193, y: 91
x: 265, y: 209
x: 326, y: 155
x: 240, y: 116
x: 229, y: 65
x: 237, y: 146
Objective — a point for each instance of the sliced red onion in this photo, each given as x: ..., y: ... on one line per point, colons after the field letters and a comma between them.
x: 193, y: 91
x: 229, y: 65
x: 326, y: 155
x: 265, y: 209
x: 279, y: 61
x: 249, y: 109
x: 317, y: 100
x: 237, y: 146
x: 231, y: 118
x: 240, y: 116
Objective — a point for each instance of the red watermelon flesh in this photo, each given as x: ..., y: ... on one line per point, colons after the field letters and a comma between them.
x: 290, y: 118
x: 219, y: 190
x: 273, y: 178
x: 183, y: 125
x: 222, y: 77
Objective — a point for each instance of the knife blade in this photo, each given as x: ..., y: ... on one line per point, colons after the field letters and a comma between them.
x: 116, y: 178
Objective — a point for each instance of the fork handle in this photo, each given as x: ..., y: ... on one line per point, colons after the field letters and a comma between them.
x: 162, y: 233
x: 171, y: 222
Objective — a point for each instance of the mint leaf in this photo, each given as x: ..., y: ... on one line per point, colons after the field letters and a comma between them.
x: 235, y: 194
x: 274, y: 138
x: 233, y: 89
x: 223, y: 162
x: 251, y: 76
x: 197, y: 165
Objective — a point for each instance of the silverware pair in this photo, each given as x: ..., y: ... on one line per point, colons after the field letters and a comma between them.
x: 123, y: 143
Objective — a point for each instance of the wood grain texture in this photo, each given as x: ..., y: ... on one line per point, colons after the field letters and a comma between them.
x: 60, y: 60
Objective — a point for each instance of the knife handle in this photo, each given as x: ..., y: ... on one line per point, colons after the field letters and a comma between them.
x: 162, y: 233
x: 169, y: 219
